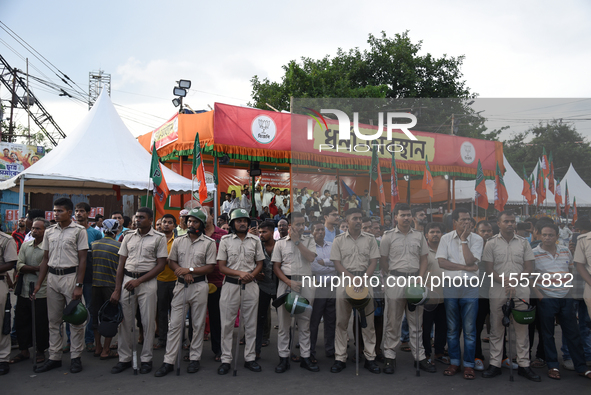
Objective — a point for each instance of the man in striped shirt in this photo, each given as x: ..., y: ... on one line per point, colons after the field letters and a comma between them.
x: 105, y: 258
x: 554, y: 264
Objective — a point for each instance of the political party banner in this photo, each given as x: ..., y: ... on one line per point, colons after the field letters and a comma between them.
x: 17, y: 157
x: 167, y: 133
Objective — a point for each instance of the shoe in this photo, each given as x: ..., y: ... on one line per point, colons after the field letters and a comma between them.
x: 193, y: 367
x: 528, y: 373
x: 120, y: 367
x: 491, y: 371
x: 538, y: 363
x: 76, y: 365
x: 372, y: 366
x: 505, y: 364
x: 426, y: 366
x: 404, y: 346
x: 160, y: 345
x: 283, y: 365
x: 478, y: 364
x: 224, y: 368
x: 146, y: 367
x: 48, y: 365
x: 164, y: 370
x: 338, y: 366
x: 307, y: 364
x: 568, y: 364
x: 390, y: 366
x: 4, y: 368
x: 253, y: 366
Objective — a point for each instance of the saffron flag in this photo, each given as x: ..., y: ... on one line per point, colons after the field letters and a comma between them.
x: 541, y: 185
x: 501, y: 195
x: 376, y: 174
x: 551, y: 175
x: 394, y: 196
x: 481, y: 199
x: 532, y: 189
x: 526, y: 191
x: 198, y: 170
x: 566, y: 200
x: 575, y: 209
x: 558, y: 198
x: 161, y: 191
x: 544, y: 163
x: 427, y: 179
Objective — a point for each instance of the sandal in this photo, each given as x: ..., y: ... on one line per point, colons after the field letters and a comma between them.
x: 110, y: 355
x: 295, y: 358
x: 538, y: 363
x: 90, y: 347
x: 18, y: 358
x: 587, y: 374
x: 405, y: 347
x: 451, y: 370
x: 313, y: 359
x: 554, y: 374
x: 469, y: 373
x: 218, y: 357
x: 186, y: 358
x: 40, y: 358
x: 265, y: 343
x: 442, y: 359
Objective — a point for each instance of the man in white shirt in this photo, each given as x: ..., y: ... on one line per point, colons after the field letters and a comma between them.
x: 227, y: 205
x: 267, y: 195
x: 564, y: 234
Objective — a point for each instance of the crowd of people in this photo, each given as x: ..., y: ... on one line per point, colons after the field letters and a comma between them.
x: 493, y: 273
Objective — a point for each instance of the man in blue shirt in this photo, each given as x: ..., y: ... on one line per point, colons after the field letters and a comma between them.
x: 331, y: 220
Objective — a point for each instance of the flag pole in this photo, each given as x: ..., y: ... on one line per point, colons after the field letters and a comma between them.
x: 430, y: 208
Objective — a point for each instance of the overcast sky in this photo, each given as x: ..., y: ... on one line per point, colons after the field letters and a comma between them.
x: 513, y: 49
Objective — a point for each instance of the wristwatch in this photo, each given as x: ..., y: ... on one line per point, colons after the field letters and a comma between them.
x: 79, y: 284
x: 297, y: 243
x: 464, y: 241
x: 191, y: 269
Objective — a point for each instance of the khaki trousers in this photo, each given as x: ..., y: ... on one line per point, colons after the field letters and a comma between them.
x: 497, y: 299
x: 343, y: 315
x: 59, y: 294
x: 146, y: 297
x: 302, y: 320
x: 4, y: 339
x: 197, y: 302
x: 396, y: 306
x: 229, y: 304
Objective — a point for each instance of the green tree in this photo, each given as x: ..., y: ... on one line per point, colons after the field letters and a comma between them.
x: 567, y: 146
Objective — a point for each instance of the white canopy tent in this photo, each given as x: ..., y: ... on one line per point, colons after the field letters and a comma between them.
x: 98, y: 154
x: 577, y: 188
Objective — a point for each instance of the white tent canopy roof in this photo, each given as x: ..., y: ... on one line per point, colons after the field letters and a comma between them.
x: 98, y: 154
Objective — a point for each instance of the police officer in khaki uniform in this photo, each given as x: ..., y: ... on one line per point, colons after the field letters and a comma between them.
x: 355, y: 254
x: 192, y: 257
x: 240, y: 258
x: 142, y: 256
x: 291, y: 262
x: 404, y: 254
x: 582, y: 261
x: 65, y: 245
x: 507, y: 256
x: 8, y: 259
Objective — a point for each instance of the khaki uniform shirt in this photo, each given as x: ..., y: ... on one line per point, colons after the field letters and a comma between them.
x: 291, y: 259
x: 143, y: 251
x: 31, y: 255
x: 63, y: 244
x: 7, y: 250
x: 239, y: 254
x: 583, y: 251
x: 195, y: 254
x: 353, y: 254
x: 507, y: 257
x: 404, y: 251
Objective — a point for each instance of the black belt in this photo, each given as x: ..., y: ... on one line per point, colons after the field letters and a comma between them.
x: 62, y: 272
x: 359, y: 273
x: 403, y: 274
x: 232, y: 280
x: 134, y: 275
x: 195, y: 279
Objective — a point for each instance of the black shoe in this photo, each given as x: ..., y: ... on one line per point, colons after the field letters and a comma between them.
x: 426, y: 366
x: 75, y: 365
x: 372, y: 366
x: 146, y: 367
x: 528, y: 373
x: 48, y: 365
x: 338, y: 366
x: 120, y: 367
x: 224, y: 368
x: 4, y: 368
x: 164, y: 370
x: 283, y: 365
x: 193, y: 367
x: 491, y: 371
x: 390, y: 366
x: 307, y: 364
x: 253, y: 366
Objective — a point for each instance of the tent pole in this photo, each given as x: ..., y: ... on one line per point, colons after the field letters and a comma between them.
x: 215, y: 207
x: 453, y: 197
x: 21, y: 197
x: 339, y: 192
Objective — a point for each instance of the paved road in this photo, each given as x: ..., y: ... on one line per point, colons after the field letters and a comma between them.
x: 97, y: 379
